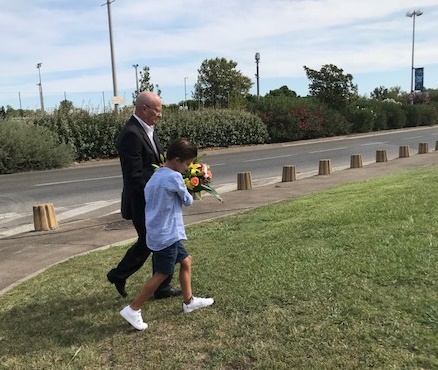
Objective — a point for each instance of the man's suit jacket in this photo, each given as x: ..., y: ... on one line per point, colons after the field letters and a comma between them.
x: 136, y: 158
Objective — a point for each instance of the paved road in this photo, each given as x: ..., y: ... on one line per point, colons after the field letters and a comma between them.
x: 93, y: 189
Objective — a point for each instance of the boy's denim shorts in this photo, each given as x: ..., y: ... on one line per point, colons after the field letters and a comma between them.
x: 165, y: 260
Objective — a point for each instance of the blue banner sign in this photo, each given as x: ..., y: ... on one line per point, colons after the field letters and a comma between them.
x: 419, y: 79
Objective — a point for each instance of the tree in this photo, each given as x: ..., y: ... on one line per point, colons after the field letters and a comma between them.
x: 145, y: 83
x: 382, y: 93
x: 331, y: 86
x: 220, y: 84
x: 282, y: 91
x: 66, y: 106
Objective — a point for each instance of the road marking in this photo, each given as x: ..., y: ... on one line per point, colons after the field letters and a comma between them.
x: 375, y: 143
x: 269, y: 158
x: 6, y: 216
x: 82, y: 180
x: 87, y: 207
x: 328, y: 150
x: 412, y: 137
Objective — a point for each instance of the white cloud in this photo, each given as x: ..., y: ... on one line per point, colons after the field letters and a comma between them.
x: 173, y: 38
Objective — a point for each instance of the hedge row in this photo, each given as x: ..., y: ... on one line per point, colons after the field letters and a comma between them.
x: 56, y: 139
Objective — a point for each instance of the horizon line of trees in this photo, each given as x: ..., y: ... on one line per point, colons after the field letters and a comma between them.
x: 221, y: 85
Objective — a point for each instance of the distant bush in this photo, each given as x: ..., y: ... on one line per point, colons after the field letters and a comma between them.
x: 366, y: 115
x: 90, y: 135
x: 421, y: 115
x: 289, y: 119
x: 362, y: 118
x: 25, y: 147
x: 213, y: 127
x: 395, y: 115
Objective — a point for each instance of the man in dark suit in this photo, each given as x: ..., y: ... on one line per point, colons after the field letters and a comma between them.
x: 139, y: 147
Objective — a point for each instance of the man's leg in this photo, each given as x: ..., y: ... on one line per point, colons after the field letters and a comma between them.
x: 134, y: 258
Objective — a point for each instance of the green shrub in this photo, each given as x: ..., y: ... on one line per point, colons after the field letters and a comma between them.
x: 90, y: 135
x: 421, y: 115
x: 213, y: 127
x: 395, y: 115
x: 362, y: 119
x: 429, y: 115
x: 289, y: 119
x: 25, y: 147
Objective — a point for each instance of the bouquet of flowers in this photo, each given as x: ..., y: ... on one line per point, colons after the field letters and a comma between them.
x: 198, y: 177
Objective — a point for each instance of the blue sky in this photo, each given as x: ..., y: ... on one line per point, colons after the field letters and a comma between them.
x: 370, y: 39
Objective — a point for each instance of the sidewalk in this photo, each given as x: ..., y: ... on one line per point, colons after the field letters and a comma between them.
x: 25, y: 255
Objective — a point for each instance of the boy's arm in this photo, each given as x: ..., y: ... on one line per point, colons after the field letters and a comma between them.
x: 183, y: 194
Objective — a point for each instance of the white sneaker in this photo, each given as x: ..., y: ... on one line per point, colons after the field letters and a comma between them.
x: 197, y: 303
x: 134, y: 318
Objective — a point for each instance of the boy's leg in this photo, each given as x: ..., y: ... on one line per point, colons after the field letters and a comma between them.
x: 185, y: 278
x: 132, y: 312
x: 148, y: 289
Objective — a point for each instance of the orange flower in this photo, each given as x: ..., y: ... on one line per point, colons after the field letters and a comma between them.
x: 194, y: 181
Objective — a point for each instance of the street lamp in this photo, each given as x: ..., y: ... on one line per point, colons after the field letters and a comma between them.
x: 40, y: 86
x: 257, y: 60
x: 136, y: 77
x: 185, y: 92
x: 113, y: 63
x: 412, y: 15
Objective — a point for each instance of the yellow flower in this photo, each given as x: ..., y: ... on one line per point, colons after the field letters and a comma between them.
x: 188, y: 184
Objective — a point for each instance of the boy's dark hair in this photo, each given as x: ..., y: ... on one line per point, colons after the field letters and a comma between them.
x: 181, y: 148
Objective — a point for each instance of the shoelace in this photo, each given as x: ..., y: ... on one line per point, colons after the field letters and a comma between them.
x: 138, y: 317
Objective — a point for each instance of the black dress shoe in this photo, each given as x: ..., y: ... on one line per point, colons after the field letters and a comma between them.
x: 120, y: 285
x: 167, y: 293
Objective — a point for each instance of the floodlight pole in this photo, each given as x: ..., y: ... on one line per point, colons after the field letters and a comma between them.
x: 412, y: 15
x: 185, y: 92
x: 257, y: 60
x: 136, y: 77
x: 113, y: 64
x: 40, y: 86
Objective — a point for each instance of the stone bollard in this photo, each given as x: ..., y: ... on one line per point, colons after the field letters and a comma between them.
x: 244, y: 181
x: 289, y: 174
x: 325, y: 167
x: 423, y: 148
x: 436, y: 145
x: 356, y: 161
x: 403, y: 151
x: 381, y: 156
x: 44, y: 217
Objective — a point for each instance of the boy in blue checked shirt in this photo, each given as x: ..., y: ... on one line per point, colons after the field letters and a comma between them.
x: 165, y: 194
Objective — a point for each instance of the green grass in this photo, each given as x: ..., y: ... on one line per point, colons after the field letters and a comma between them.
x: 342, y: 279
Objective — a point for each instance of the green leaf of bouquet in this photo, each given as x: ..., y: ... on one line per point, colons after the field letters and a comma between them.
x: 211, y: 191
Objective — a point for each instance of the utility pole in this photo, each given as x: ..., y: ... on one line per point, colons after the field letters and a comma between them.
x: 40, y: 86
x: 412, y: 15
x: 113, y: 64
x: 136, y: 77
x: 257, y: 59
x: 185, y: 92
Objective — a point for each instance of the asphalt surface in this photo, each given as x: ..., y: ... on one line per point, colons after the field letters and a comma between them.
x: 25, y: 255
